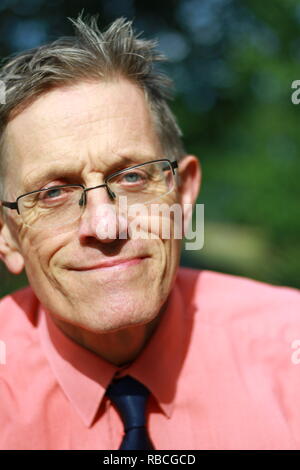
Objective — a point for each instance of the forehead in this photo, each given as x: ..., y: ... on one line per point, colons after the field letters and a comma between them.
x: 81, y: 128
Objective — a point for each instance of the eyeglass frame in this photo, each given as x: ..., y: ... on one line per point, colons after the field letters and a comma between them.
x: 14, y: 205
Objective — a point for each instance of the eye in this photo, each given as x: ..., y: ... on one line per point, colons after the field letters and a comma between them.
x: 55, y: 196
x: 51, y: 193
x: 133, y: 177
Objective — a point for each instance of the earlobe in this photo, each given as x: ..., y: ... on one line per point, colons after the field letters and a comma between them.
x: 9, y: 252
x: 14, y: 262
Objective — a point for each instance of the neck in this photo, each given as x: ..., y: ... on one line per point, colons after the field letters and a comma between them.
x: 119, y: 347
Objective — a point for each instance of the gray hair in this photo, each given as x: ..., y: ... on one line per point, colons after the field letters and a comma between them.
x: 91, y: 54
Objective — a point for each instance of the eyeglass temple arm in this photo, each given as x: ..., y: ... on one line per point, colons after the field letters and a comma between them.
x: 10, y: 205
x: 174, y: 165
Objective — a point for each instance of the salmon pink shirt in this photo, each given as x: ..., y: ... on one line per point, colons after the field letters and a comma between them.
x: 223, y: 369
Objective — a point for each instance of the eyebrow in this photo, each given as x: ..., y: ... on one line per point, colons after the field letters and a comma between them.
x: 36, y: 182
x: 37, y: 179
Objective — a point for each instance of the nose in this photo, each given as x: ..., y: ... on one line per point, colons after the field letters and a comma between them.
x: 102, y: 218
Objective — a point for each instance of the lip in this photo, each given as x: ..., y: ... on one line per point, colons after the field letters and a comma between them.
x: 116, y: 264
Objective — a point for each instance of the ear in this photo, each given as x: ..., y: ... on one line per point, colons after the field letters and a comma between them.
x: 189, y: 185
x: 9, y: 251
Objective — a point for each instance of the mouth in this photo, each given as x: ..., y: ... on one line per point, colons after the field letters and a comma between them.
x: 116, y: 264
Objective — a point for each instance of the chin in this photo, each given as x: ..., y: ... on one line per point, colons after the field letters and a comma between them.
x: 109, y: 321
x: 110, y: 326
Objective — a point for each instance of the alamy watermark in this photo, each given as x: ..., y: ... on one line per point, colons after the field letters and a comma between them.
x: 2, y: 352
x: 295, y: 357
x: 151, y: 221
x: 295, y: 97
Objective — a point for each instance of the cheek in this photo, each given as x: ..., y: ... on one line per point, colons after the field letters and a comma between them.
x: 39, y: 249
x: 162, y: 225
x: 172, y: 255
x: 169, y: 261
x: 167, y: 256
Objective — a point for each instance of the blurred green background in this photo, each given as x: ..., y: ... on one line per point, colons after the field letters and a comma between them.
x: 233, y: 63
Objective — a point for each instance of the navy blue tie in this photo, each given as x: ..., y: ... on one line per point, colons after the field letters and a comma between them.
x: 130, y: 398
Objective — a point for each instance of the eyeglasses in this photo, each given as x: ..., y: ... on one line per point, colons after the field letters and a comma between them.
x: 56, y: 206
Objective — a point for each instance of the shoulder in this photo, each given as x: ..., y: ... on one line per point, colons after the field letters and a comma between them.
x: 245, y: 339
x: 260, y: 322
x: 224, y: 298
x: 23, y: 366
x: 238, y: 291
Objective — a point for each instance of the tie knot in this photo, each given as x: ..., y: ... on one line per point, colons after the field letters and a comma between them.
x: 127, y: 386
x: 130, y: 397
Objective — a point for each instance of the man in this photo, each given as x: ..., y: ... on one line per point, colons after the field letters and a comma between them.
x: 86, y: 123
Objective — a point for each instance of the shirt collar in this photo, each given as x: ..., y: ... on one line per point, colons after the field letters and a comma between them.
x: 84, y: 376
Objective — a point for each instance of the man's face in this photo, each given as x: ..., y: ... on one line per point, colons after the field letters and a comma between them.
x: 84, y: 133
